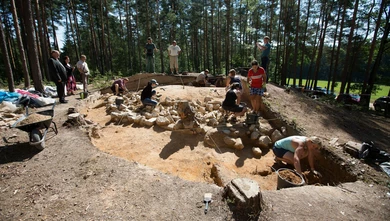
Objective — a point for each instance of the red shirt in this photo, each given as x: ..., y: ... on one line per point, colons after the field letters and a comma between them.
x: 257, y: 78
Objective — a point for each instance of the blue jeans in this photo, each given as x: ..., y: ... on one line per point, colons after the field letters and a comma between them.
x: 149, y: 64
x: 148, y: 101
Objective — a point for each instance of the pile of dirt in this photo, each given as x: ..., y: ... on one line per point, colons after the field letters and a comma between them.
x: 290, y: 176
x: 33, y: 118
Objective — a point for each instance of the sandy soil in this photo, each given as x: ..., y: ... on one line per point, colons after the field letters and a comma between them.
x: 130, y: 176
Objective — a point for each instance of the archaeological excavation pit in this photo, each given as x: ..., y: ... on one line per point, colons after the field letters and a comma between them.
x: 208, y: 149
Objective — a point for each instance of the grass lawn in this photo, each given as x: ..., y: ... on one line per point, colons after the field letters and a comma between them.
x: 384, y: 89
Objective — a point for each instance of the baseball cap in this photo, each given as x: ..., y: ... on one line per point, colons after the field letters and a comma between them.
x: 207, y: 70
x: 153, y: 81
x: 173, y: 41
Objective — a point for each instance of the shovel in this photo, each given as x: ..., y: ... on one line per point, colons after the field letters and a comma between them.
x: 207, y: 200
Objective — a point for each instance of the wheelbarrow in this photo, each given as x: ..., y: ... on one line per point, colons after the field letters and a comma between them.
x: 37, y: 130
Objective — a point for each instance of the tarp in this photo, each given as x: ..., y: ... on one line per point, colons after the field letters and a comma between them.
x: 8, y: 96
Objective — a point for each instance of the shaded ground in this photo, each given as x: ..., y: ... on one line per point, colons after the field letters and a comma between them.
x: 73, y: 180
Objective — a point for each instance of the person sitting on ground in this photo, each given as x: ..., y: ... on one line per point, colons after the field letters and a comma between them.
x: 232, y: 79
x: 148, y: 92
x: 294, y: 148
x: 232, y: 101
x: 202, y: 78
x: 119, y: 86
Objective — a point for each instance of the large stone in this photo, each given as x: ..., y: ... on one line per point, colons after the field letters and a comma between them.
x: 207, y: 99
x: 239, y: 145
x: 257, y: 152
x: 209, y: 107
x: 265, y: 141
x: 202, y: 110
x: 216, y: 106
x: 148, y: 115
x: 162, y: 121
x: 265, y: 127
x: 213, y: 137
x: 255, y: 135
x: 276, y: 135
x: 148, y: 122
x: 245, y: 194
x: 229, y: 141
x: 212, y: 122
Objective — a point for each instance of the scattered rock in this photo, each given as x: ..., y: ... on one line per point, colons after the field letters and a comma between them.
x: 265, y: 141
x: 257, y: 152
x: 239, y: 145
x: 276, y: 135
x: 230, y: 142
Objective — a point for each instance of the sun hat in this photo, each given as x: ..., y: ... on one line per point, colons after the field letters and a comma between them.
x: 316, y: 140
x: 153, y: 81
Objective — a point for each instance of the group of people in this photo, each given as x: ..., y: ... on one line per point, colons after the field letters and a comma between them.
x: 62, y: 74
x: 173, y: 53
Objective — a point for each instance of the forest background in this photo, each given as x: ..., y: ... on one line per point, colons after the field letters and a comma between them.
x: 343, y: 42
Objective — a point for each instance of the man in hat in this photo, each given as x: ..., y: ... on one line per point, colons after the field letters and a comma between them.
x: 266, y: 49
x: 294, y: 148
x: 173, y: 52
x: 119, y: 86
x: 148, y: 92
x: 202, y: 78
x: 150, y: 48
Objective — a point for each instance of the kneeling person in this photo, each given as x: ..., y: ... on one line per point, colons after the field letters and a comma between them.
x: 294, y: 148
x: 119, y: 86
x: 148, y: 92
x: 232, y: 100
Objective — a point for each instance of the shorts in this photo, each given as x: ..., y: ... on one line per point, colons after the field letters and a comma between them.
x: 279, y: 152
x: 256, y: 91
x: 174, y: 62
x: 235, y: 109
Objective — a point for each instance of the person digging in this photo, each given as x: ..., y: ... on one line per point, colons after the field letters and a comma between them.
x: 295, y: 148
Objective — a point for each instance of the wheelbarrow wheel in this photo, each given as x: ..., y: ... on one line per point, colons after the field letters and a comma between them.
x: 36, y: 137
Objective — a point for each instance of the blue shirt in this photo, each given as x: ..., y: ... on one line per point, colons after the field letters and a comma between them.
x: 286, y: 143
x: 266, y: 51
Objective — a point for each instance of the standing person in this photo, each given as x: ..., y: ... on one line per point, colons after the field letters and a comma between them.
x: 71, y: 82
x: 119, y: 86
x: 150, y: 47
x: 173, y: 52
x: 266, y: 49
x: 148, y: 92
x: 232, y: 79
x: 232, y: 101
x: 202, y: 78
x: 294, y: 148
x: 82, y: 66
x: 257, y: 79
x: 58, y: 74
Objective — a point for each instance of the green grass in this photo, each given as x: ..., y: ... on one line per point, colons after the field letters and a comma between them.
x: 383, y: 89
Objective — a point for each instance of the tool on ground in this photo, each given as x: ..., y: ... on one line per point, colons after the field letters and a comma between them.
x: 207, y: 200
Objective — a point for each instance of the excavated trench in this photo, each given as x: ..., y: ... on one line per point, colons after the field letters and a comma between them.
x: 199, y: 162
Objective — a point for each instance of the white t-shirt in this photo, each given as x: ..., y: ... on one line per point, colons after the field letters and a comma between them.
x: 82, y: 67
x: 174, y: 50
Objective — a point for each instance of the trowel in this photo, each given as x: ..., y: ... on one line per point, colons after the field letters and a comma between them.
x: 207, y: 200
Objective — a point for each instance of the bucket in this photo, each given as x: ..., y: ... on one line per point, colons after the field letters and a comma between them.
x: 282, y: 183
x: 119, y: 101
x: 83, y: 95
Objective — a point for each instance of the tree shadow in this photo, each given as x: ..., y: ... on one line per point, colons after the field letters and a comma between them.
x: 17, y: 152
x: 178, y: 141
